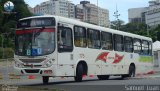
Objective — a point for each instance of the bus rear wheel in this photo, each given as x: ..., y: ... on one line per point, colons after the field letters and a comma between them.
x: 45, y: 79
x: 132, y: 71
x: 103, y: 77
x: 79, y: 73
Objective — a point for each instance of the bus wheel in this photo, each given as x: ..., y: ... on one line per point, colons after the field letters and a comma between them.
x: 103, y: 77
x: 79, y: 73
x: 45, y: 79
x: 132, y: 71
x: 124, y: 76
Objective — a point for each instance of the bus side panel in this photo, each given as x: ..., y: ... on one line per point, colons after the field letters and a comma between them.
x: 65, y: 66
x: 89, y: 56
x: 145, y: 64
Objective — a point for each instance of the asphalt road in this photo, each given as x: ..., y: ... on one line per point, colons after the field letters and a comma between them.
x: 93, y: 84
x: 115, y: 83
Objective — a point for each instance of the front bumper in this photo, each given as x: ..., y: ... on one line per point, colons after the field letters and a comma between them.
x: 35, y: 71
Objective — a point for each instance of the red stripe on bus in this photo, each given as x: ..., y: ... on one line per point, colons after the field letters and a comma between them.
x: 18, y: 32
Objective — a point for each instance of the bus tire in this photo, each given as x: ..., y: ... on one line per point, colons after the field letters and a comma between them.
x: 79, y: 73
x: 45, y: 79
x: 131, y: 71
x: 124, y: 76
x: 103, y: 77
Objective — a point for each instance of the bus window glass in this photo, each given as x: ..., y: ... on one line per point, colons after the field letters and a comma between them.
x: 118, y: 41
x: 137, y: 46
x: 128, y: 44
x: 150, y: 48
x: 93, y: 39
x: 36, y: 22
x: 35, y: 42
x: 145, y: 47
x: 80, y: 36
x: 106, y: 41
x: 64, y: 39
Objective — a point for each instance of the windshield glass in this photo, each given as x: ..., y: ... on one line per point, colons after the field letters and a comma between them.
x: 35, y: 42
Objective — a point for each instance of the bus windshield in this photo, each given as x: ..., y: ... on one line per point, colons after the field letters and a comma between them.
x: 35, y: 42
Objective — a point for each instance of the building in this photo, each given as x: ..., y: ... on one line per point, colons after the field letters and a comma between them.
x: 79, y: 12
x: 56, y: 7
x: 103, y: 17
x: 71, y: 10
x: 30, y: 9
x: 137, y: 15
x: 149, y: 15
x: 85, y: 11
x: 90, y: 13
x: 153, y: 13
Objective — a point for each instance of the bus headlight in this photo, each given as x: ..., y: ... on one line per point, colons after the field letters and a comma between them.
x: 18, y: 64
x: 48, y: 63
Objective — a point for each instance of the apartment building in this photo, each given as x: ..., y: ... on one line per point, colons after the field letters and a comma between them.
x: 85, y: 11
x: 93, y: 14
x: 153, y: 13
x: 56, y: 7
x: 137, y: 15
x: 149, y: 15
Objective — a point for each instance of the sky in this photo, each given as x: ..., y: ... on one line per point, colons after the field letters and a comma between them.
x: 122, y: 6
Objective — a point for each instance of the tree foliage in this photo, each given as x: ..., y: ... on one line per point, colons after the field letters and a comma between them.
x: 138, y: 28
x: 8, y: 20
x: 117, y: 24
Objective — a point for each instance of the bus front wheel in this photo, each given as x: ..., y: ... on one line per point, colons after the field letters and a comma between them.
x: 79, y: 73
x: 45, y: 79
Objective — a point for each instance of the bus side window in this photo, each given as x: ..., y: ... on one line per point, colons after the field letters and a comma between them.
x: 94, y: 39
x: 80, y: 36
x: 145, y: 47
x: 65, y: 43
x: 118, y: 43
x: 128, y: 44
x: 137, y: 46
x: 150, y: 48
x: 106, y: 41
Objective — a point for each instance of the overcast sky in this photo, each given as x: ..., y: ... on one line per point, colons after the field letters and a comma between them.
x: 122, y: 5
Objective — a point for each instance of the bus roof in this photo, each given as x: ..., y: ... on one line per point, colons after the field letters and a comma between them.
x: 80, y: 23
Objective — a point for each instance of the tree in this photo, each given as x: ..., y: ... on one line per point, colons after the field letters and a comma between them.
x: 154, y: 33
x: 136, y: 28
x: 8, y: 21
x: 117, y: 24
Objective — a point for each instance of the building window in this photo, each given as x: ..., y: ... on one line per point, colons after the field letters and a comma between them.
x: 118, y: 42
x: 93, y: 38
x: 106, y: 41
x: 80, y: 36
x: 137, y: 46
x: 128, y: 44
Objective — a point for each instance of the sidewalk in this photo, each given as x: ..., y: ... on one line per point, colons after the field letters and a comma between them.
x: 156, y: 69
x: 155, y: 73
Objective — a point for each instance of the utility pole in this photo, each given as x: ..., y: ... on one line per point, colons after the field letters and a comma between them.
x: 116, y: 15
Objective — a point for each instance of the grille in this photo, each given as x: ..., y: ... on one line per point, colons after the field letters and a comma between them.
x: 33, y: 66
x: 32, y: 71
x: 32, y: 60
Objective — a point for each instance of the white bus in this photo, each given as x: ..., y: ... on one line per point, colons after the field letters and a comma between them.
x: 54, y: 46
